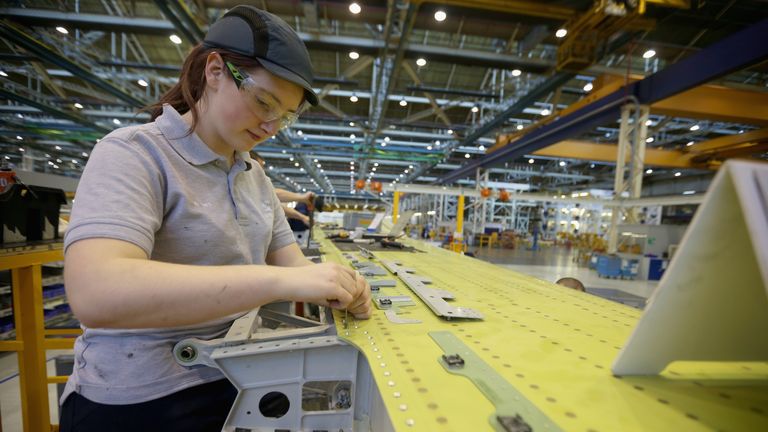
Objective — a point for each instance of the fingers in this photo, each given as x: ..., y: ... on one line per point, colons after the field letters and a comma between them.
x: 361, y: 305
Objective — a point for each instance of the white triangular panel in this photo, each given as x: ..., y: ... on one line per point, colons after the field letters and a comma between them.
x: 712, y: 303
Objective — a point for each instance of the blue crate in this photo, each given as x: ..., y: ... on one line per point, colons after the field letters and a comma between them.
x: 629, y: 268
x: 609, y: 266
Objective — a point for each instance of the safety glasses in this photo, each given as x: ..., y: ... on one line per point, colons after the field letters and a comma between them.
x: 258, y: 101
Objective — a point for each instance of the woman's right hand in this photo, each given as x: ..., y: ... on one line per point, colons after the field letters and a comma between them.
x: 326, y: 284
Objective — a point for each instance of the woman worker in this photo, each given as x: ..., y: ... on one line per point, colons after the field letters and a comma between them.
x: 176, y: 232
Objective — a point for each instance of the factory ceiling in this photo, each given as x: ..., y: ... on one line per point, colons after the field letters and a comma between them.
x: 404, y: 97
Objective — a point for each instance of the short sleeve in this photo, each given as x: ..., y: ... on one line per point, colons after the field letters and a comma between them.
x: 282, y: 235
x: 119, y: 196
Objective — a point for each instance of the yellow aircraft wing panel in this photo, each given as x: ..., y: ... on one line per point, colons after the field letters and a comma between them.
x: 554, y: 345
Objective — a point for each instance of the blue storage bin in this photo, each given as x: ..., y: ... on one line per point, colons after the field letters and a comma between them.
x: 629, y: 268
x: 609, y: 266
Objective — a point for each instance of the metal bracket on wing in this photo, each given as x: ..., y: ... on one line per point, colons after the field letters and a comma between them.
x: 434, y: 298
x: 193, y: 351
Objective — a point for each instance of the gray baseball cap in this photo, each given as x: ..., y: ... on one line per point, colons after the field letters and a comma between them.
x: 255, y: 33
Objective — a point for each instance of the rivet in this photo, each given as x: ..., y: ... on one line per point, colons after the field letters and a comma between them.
x: 365, y: 332
x: 378, y: 356
x: 375, y: 350
x: 391, y: 383
x: 387, y: 373
x: 403, y: 407
x: 396, y: 394
x: 410, y: 422
x: 383, y: 364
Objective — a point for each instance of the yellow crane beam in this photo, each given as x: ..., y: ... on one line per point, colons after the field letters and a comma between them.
x: 586, y: 150
x: 706, y: 102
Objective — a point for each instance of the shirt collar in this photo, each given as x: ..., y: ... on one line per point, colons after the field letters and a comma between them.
x: 188, y: 145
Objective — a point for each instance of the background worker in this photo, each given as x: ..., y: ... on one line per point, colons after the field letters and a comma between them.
x: 287, y: 196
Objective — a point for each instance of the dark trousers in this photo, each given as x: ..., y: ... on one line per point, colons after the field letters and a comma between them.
x: 202, y: 408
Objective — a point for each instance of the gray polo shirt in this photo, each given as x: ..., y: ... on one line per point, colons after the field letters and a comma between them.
x: 165, y: 191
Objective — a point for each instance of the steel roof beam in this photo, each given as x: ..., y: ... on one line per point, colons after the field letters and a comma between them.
x: 74, y: 117
x: 735, y: 52
x: 114, y: 23
x: 45, y: 53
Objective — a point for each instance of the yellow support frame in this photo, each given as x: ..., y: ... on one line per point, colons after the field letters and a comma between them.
x: 30, y: 342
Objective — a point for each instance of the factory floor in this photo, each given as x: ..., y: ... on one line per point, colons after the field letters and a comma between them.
x: 549, y: 264
x: 553, y: 263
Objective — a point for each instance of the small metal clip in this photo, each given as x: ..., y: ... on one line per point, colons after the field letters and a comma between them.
x: 453, y: 360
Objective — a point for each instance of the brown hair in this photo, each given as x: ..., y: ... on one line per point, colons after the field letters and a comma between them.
x: 184, y: 95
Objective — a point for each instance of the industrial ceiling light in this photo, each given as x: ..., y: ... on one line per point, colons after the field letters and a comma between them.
x: 429, y: 147
x: 19, y: 137
x: 175, y: 39
x: 2, y: 73
x: 648, y: 122
x: 296, y: 164
x: 142, y: 83
x: 481, y: 148
x: 530, y: 161
x: 695, y: 128
x: 649, y: 171
x: 116, y: 121
x: 78, y: 105
x: 678, y: 174
x: 545, y: 112
x: 560, y: 33
x: 690, y: 143
x: 383, y: 144
x: 449, y: 131
x: 588, y: 87
x: 355, y: 8
x: 300, y: 133
x: 648, y: 54
x: 516, y: 72
x: 562, y: 163
x: 649, y: 140
x: 475, y: 109
x: 520, y: 127
x: 57, y: 147
x: 62, y: 30
x: 354, y: 55
x: 421, y: 62
x: 440, y: 16
x: 466, y: 156
x: 403, y: 102
x: 353, y: 98
x: 386, y: 139
x: 352, y: 136
x: 85, y: 154
x: 352, y: 124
